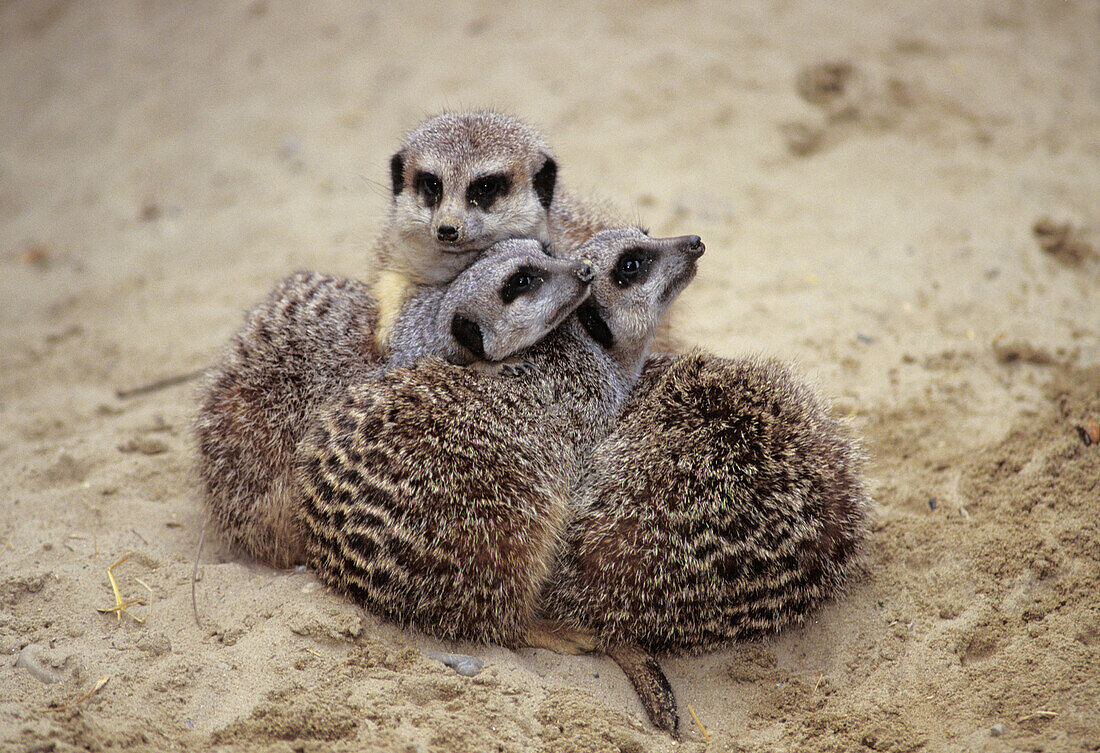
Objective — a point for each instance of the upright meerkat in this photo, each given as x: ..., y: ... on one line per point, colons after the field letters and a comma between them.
x: 436, y: 496
x: 726, y: 504
x: 461, y: 182
x: 312, y: 337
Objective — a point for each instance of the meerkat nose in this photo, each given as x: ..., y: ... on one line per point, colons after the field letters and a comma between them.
x: 447, y: 233
x: 584, y: 272
x: 693, y: 244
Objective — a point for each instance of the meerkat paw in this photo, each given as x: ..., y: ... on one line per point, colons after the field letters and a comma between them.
x: 517, y: 369
x: 560, y: 638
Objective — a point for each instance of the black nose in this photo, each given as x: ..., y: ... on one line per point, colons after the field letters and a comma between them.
x: 584, y: 272
x: 693, y: 244
x: 447, y: 233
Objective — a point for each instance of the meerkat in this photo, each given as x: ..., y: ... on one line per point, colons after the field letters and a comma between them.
x: 726, y: 504
x: 311, y: 337
x: 461, y: 182
x: 503, y: 304
x: 436, y: 496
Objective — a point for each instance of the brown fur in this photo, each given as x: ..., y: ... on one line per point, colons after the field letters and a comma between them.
x: 311, y: 337
x: 436, y: 496
x: 726, y: 504
x: 421, y: 505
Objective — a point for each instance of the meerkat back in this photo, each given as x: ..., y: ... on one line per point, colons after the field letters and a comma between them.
x: 310, y: 337
x: 401, y: 489
x: 726, y: 504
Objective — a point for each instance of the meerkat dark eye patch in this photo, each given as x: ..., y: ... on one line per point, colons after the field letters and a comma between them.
x: 429, y: 187
x: 397, y: 173
x: 632, y: 267
x: 468, y: 334
x: 521, y: 282
x: 483, y: 191
x: 544, y: 182
x: 595, y: 325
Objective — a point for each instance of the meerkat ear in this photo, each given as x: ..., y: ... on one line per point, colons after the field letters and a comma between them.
x: 397, y: 172
x: 468, y: 334
x: 544, y: 181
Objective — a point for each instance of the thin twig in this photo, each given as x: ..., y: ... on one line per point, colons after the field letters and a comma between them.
x: 194, y: 577
x: 95, y: 689
x: 120, y: 604
x: 160, y: 384
x: 701, y: 727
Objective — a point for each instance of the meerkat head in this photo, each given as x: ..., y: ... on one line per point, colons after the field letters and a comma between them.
x: 635, y: 280
x: 510, y: 299
x: 463, y: 181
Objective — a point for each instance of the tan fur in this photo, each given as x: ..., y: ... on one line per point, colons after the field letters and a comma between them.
x: 391, y: 289
x: 311, y: 337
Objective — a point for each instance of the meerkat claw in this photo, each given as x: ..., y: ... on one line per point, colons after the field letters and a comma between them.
x: 516, y: 368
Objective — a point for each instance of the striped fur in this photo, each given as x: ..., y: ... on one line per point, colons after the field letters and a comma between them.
x: 422, y: 505
x: 311, y: 337
x: 726, y: 504
x: 436, y: 496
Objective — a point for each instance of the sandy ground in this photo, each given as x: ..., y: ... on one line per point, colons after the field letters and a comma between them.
x: 868, y: 182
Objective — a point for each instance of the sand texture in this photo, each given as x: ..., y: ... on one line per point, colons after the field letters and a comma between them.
x: 901, y: 198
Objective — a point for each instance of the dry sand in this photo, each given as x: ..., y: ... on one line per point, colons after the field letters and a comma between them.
x: 867, y: 179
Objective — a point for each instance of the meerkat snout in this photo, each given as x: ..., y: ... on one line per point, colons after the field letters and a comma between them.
x: 691, y: 244
x: 448, y: 233
x: 584, y: 271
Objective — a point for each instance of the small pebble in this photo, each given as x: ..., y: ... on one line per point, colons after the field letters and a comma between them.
x: 37, y: 255
x: 144, y: 445
x: 997, y: 730
x: 802, y: 138
x: 467, y: 666
x: 150, y: 211
x: 28, y: 660
x: 1090, y: 431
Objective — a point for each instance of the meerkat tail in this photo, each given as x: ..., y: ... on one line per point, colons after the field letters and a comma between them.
x: 391, y: 288
x: 558, y: 637
x: 651, y: 685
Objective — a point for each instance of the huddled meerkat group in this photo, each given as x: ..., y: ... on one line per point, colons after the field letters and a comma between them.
x: 494, y: 440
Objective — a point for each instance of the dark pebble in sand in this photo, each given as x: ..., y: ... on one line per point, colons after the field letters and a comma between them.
x: 144, y: 445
